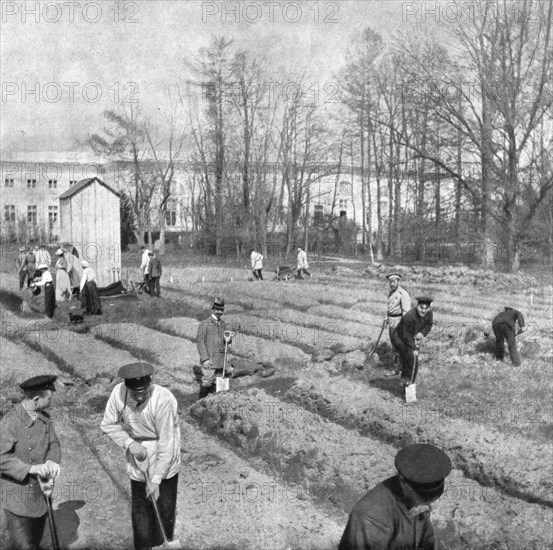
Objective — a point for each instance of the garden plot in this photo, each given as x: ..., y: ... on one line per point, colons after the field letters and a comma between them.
x: 176, y: 356
x: 275, y: 354
x: 81, y: 354
x: 339, y: 465
x: 516, y: 464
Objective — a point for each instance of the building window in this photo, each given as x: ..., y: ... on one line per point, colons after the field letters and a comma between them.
x: 52, y: 215
x: 9, y: 213
x: 318, y: 213
x: 72, y: 182
x: 171, y: 215
x: 31, y: 215
x: 8, y: 182
x: 31, y: 183
x: 52, y: 184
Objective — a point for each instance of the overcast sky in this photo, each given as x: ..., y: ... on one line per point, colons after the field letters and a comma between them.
x: 63, y: 63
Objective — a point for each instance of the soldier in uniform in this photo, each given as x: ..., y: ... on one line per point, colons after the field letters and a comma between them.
x: 399, y: 303
x: 142, y: 418
x: 503, y: 327
x: 29, y: 462
x: 412, y: 328
x: 211, y: 347
x: 395, y: 515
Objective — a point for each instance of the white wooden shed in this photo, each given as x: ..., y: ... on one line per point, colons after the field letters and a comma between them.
x: 90, y: 221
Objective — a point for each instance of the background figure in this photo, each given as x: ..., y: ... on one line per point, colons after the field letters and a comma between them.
x: 399, y: 303
x: 396, y: 513
x: 43, y: 256
x: 154, y: 275
x: 144, y: 266
x: 413, y: 327
x: 142, y: 418
x: 47, y: 282
x: 90, y: 299
x: 63, y: 283
x: 257, y: 264
x: 302, y: 265
x: 30, y: 266
x: 29, y: 462
x: 503, y: 327
x: 21, y: 263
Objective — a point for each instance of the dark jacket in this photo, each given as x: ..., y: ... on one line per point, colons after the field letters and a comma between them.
x: 210, y: 342
x: 23, y: 443
x: 155, y: 267
x: 380, y: 521
x: 412, y: 323
x: 509, y: 317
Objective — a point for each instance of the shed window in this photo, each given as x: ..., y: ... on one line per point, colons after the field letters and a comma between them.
x: 8, y: 182
x: 31, y: 183
x: 72, y: 182
x: 52, y: 184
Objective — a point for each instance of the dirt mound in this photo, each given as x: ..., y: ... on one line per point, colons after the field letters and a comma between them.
x: 457, y: 274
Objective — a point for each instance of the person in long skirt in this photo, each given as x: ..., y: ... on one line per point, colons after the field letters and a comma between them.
x: 47, y: 282
x: 90, y: 299
x: 63, y: 284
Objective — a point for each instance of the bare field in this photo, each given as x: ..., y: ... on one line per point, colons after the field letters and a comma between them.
x: 311, y: 422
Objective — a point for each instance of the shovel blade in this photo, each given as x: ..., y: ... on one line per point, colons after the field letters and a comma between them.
x: 222, y: 384
x: 411, y: 393
x: 171, y: 545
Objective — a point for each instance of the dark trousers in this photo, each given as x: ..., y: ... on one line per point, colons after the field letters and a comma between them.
x: 503, y: 332
x: 154, y: 288
x: 23, y: 279
x: 144, y: 523
x: 49, y: 300
x: 257, y: 274
x: 406, y: 356
x: 301, y: 271
x: 25, y: 533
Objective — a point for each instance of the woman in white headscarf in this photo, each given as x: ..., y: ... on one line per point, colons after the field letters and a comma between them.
x: 63, y: 283
x: 90, y: 299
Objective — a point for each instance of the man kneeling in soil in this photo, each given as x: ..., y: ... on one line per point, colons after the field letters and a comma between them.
x: 503, y: 327
x: 141, y: 417
x: 395, y: 515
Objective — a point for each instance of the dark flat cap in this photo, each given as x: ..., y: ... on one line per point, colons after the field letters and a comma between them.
x: 424, y: 466
x: 424, y: 300
x: 218, y: 303
x: 38, y: 383
x: 136, y: 375
x: 393, y: 274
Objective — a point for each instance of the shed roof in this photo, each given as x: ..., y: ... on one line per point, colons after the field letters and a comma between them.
x: 81, y: 184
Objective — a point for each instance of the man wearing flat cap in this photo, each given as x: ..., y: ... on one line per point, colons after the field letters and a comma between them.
x: 395, y: 515
x: 211, y: 347
x: 29, y: 462
x: 142, y: 418
x: 503, y: 326
x: 399, y: 303
x: 412, y: 328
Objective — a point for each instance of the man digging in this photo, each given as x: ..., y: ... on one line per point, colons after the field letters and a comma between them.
x: 399, y: 303
x: 503, y: 326
x: 412, y: 328
x: 212, y: 339
x: 142, y: 418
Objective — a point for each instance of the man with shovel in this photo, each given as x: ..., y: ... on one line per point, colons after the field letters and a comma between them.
x: 213, y: 340
x: 503, y: 327
x: 142, y: 418
x: 399, y: 303
x: 412, y: 328
x: 29, y: 462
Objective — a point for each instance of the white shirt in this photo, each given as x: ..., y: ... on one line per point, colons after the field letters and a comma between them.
x: 154, y: 425
x: 302, y: 260
x: 43, y: 257
x: 145, y: 262
x: 257, y: 260
x: 46, y: 277
x: 88, y: 275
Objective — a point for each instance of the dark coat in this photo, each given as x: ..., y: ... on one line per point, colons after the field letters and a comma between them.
x: 155, y: 267
x: 380, y: 521
x: 210, y: 342
x: 24, y: 443
x: 412, y: 323
x: 509, y: 317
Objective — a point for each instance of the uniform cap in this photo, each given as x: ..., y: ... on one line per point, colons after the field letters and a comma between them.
x: 38, y: 383
x: 219, y: 304
x: 136, y: 375
x: 424, y: 467
x: 424, y: 300
x: 42, y: 266
x: 393, y: 275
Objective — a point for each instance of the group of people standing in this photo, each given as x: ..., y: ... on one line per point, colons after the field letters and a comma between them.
x: 151, y: 271
x: 34, y: 272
